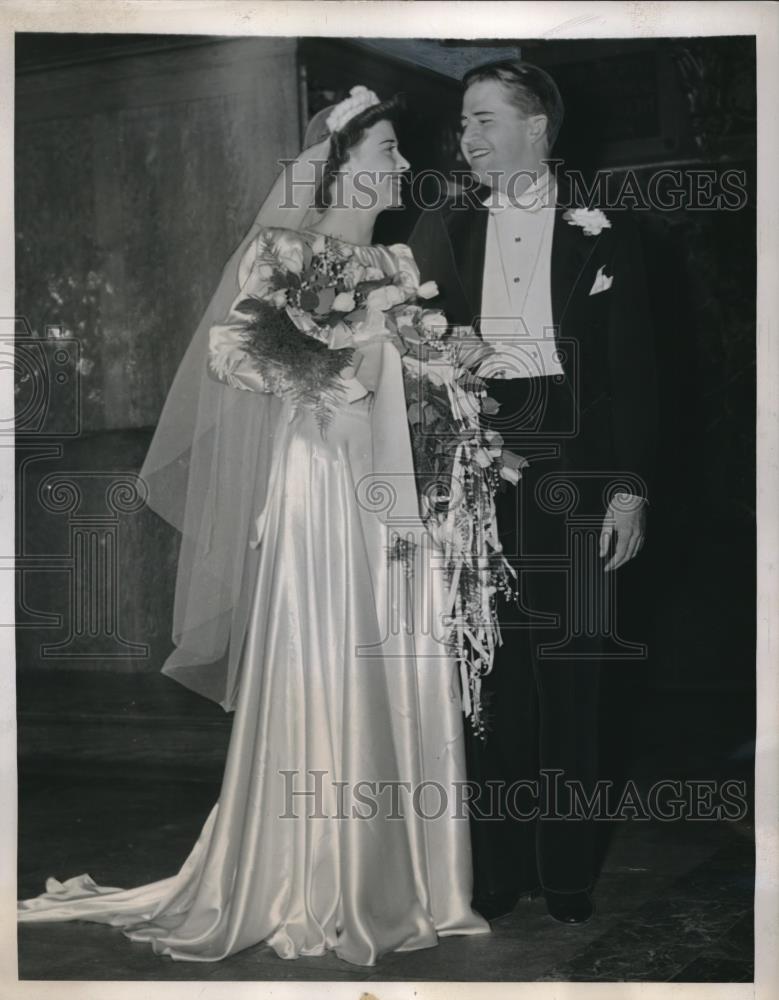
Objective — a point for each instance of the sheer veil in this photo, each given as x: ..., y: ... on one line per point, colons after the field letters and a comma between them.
x: 207, y: 467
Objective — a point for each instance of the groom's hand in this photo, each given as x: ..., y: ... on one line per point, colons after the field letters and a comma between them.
x: 624, y: 527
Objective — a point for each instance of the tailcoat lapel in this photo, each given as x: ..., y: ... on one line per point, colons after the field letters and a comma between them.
x: 468, y: 235
x: 571, y: 249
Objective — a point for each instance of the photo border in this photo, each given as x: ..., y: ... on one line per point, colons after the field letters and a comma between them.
x: 423, y: 20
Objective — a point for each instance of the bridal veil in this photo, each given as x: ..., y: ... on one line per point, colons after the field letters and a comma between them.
x: 207, y: 468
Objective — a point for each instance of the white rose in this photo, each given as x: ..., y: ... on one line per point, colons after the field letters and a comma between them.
x: 433, y: 322
x: 290, y: 251
x: 353, y: 273
x: 427, y: 290
x: 385, y: 298
x: 344, y: 302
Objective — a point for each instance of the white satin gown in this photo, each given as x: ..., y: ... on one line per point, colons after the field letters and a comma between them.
x: 340, y: 823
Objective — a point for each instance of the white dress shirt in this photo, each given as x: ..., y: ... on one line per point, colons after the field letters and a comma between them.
x: 516, y: 300
x: 516, y: 305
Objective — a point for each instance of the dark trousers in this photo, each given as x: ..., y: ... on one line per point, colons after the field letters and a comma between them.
x: 542, y: 694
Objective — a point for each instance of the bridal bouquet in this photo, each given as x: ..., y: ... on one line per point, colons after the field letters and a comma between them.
x: 315, y: 304
x: 460, y: 467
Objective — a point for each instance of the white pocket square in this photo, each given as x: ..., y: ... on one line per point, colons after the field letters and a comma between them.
x: 602, y: 282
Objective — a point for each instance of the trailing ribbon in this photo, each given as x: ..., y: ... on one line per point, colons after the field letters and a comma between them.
x: 470, y: 541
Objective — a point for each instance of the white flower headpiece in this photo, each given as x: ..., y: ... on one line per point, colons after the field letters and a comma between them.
x: 358, y: 100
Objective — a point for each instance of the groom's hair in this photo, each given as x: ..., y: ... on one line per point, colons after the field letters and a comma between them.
x: 530, y: 88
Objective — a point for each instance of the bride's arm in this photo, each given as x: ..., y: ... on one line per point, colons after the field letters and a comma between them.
x: 260, y: 347
x: 228, y: 360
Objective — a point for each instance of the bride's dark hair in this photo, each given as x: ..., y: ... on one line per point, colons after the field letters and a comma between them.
x: 349, y: 136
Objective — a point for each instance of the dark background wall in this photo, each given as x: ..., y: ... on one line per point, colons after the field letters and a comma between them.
x: 141, y: 161
x: 136, y: 176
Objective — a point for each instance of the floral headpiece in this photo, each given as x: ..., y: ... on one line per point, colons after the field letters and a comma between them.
x: 360, y: 98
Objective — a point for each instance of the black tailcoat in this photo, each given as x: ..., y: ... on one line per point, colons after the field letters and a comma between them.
x: 605, y: 339
x: 545, y: 711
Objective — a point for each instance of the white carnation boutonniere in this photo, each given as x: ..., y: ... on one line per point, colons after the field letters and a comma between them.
x: 590, y: 220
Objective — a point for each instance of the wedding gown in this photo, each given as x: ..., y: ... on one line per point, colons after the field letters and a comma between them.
x: 344, y: 686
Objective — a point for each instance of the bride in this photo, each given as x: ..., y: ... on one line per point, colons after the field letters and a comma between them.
x: 283, y: 455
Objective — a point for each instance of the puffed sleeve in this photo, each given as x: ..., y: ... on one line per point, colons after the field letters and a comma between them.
x: 231, y: 363
x: 408, y: 272
x: 228, y: 361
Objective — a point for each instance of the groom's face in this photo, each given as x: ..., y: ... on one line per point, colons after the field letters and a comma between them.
x: 497, y: 139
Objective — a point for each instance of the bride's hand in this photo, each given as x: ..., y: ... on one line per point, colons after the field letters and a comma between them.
x: 400, y: 344
x: 418, y: 349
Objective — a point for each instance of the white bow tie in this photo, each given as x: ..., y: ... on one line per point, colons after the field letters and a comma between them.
x: 539, y: 195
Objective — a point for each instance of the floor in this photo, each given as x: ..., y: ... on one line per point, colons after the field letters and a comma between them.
x: 117, y: 797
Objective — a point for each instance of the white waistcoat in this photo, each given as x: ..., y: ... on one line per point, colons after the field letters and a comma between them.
x: 516, y: 305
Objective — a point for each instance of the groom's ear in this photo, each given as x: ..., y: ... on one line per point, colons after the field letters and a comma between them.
x: 537, y: 126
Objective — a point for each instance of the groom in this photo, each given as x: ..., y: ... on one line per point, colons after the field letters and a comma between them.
x: 560, y: 295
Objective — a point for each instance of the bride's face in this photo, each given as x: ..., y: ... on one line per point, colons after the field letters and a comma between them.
x: 374, y: 168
